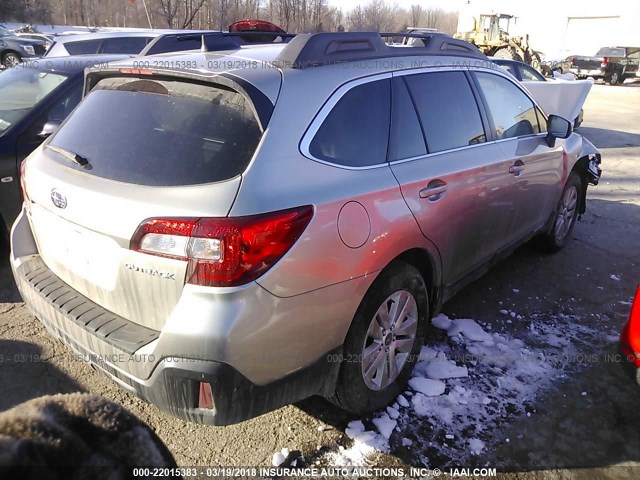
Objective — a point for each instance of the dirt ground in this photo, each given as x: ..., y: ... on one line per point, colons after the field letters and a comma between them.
x: 573, y: 436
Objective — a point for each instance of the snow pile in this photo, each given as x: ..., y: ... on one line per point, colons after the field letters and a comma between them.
x: 427, y: 386
x: 279, y: 457
x: 466, y: 387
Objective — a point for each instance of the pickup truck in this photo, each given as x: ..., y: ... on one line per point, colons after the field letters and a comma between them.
x: 612, y: 64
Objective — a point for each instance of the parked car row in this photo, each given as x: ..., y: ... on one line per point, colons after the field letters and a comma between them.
x: 613, y: 65
x: 209, y: 215
x: 14, y: 48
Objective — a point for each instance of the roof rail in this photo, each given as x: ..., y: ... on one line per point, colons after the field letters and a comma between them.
x: 211, y: 41
x: 314, y: 50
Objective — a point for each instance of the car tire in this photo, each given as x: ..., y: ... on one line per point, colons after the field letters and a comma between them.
x: 614, y: 78
x: 375, y: 342
x: 565, y: 216
x: 509, y: 53
x: 11, y: 59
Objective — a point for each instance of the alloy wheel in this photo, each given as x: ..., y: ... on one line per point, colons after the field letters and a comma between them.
x: 389, y: 341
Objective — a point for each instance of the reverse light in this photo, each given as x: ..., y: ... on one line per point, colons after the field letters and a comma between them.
x: 224, y: 252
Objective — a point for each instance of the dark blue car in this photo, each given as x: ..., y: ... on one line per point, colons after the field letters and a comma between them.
x: 35, y: 97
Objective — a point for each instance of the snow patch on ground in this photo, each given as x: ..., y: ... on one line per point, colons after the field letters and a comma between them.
x: 467, y: 385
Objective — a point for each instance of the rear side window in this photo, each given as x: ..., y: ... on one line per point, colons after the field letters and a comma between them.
x: 513, y: 113
x: 356, y: 131
x: 86, y: 47
x: 407, y: 140
x: 125, y: 45
x: 160, y: 132
x: 447, y: 109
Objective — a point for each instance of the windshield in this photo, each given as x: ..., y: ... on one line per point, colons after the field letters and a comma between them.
x: 21, y: 88
x: 4, y: 32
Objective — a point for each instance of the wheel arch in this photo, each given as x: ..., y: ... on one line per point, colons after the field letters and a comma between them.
x: 10, y: 50
x: 581, y: 167
x: 424, y: 261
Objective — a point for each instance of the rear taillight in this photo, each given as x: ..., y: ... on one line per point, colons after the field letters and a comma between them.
x: 223, y: 252
x: 23, y: 180
x: 605, y: 62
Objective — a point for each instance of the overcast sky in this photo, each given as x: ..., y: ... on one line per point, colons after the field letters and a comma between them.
x: 347, y: 5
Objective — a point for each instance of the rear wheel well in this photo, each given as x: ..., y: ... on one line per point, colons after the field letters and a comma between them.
x: 421, y: 260
x: 7, y: 52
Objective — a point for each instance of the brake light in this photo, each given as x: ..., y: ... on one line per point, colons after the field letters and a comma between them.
x: 23, y: 180
x: 135, y: 71
x: 224, y: 252
x: 605, y: 62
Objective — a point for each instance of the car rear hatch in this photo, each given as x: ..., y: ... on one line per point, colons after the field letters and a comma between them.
x: 136, y: 149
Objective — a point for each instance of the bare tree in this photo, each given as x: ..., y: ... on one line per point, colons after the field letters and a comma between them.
x: 292, y: 15
x: 416, y: 14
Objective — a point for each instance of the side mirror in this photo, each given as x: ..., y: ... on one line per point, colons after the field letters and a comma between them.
x: 557, y: 127
x: 48, y: 129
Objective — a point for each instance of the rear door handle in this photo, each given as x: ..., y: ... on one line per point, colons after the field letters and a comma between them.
x: 517, y: 168
x: 434, y: 190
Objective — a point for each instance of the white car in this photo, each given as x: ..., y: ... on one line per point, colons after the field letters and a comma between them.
x: 558, y: 96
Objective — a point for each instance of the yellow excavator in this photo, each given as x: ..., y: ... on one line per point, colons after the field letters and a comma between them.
x: 491, y: 35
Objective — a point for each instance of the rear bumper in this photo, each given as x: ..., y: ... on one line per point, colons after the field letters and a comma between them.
x: 166, y: 368
x: 175, y: 382
x: 596, y: 73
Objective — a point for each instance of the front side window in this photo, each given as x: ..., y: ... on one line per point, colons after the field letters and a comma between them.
x: 447, y: 109
x: 513, y: 113
x: 22, y: 89
x: 356, y: 131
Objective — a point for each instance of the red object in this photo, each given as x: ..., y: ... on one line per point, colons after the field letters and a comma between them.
x: 605, y: 62
x: 255, y: 26
x: 135, y: 71
x: 630, y: 336
x: 205, y: 396
x: 250, y: 245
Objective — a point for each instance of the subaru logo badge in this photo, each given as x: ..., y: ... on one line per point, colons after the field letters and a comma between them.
x: 58, y: 199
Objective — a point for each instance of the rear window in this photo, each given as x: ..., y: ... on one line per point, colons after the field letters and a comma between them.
x: 159, y: 133
x: 610, y: 52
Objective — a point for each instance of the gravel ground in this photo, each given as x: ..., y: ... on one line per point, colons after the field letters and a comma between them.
x: 572, y: 435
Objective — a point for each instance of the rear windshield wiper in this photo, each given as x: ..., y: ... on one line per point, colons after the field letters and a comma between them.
x: 74, y: 157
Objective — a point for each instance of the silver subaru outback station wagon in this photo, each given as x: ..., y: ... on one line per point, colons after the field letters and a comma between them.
x: 224, y: 233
